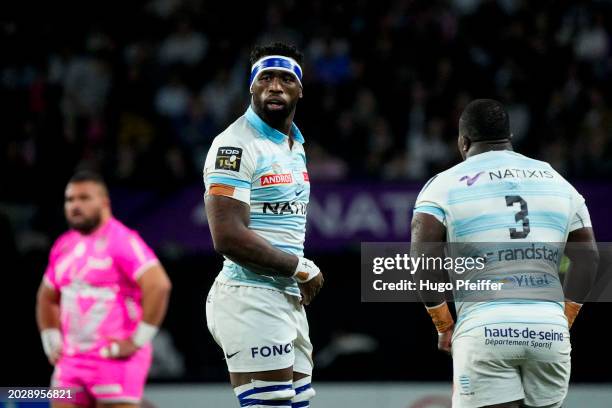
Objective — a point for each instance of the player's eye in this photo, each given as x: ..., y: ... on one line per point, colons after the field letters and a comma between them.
x: 288, y: 78
x: 264, y: 77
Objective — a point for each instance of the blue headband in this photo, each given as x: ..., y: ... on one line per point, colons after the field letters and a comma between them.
x: 276, y: 62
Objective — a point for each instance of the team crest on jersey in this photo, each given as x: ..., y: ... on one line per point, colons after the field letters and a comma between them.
x: 101, y: 244
x: 228, y: 158
x: 273, y: 179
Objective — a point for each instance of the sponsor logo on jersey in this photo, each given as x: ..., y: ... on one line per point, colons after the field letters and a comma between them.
x: 284, y: 208
x: 527, y: 336
x: 523, y: 332
x: 520, y: 174
x: 273, y: 179
x: 526, y: 280
x: 530, y: 252
x: 272, y: 350
x: 228, y: 158
x: 532, y: 281
x: 306, y: 178
x: 471, y: 180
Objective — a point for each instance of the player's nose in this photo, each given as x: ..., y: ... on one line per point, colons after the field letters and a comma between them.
x: 275, y: 85
x: 75, y: 209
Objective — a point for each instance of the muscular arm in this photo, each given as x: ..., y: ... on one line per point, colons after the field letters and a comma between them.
x: 156, y: 289
x: 426, y: 231
x: 584, y: 260
x: 48, y: 320
x: 47, y: 308
x: 229, y: 220
x: 428, y: 236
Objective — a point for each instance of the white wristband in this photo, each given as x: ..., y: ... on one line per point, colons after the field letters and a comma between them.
x: 144, y: 333
x: 51, y: 341
x: 305, y: 270
x: 110, y: 351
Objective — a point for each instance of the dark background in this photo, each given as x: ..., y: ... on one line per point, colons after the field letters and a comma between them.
x: 138, y: 90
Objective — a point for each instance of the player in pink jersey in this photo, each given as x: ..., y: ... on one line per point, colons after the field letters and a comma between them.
x: 102, y: 298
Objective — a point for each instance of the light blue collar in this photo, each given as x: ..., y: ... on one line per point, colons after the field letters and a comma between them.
x: 268, y: 131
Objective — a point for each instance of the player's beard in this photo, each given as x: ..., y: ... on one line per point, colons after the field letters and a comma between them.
x: 277, y: 118
x: 86, y: 225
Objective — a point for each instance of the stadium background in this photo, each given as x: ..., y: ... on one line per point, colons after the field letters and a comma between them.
x: 139, y: 90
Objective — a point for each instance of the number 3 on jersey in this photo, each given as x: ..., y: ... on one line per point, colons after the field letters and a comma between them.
x: 521, y: 215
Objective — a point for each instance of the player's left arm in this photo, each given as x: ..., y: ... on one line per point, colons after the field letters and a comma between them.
x: 583, y: 253
x: 48, y: 320
x: 48, y: 310
x: 427, y: 237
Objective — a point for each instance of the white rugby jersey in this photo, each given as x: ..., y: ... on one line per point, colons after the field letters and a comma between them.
x: 255, y: 163
x: 508, y: 201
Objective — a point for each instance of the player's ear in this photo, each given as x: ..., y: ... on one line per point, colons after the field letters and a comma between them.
x: 465, y: 143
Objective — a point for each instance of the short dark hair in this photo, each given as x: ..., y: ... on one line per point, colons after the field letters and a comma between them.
x: 87, y: 175
x: 277, y: 48
x: 484, y: 120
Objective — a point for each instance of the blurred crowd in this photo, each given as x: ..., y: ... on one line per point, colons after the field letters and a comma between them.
x: 140, y: 90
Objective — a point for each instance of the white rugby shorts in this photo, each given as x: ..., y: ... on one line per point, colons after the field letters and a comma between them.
x: 259, y: 329
x: 505, y: 362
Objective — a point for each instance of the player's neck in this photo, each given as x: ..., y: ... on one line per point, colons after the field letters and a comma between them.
x: 478, y: 148
x: 285, y: 126
x: 106, y: 217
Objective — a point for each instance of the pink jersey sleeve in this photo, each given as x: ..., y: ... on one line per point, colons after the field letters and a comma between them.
x: 49, y: 276
x: 133, y: 255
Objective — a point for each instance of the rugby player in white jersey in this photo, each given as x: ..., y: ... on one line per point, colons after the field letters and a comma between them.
x: 257, y: 190
x: 506, y: 352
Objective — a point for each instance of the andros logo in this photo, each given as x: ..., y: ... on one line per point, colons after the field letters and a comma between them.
x: 273, y: 179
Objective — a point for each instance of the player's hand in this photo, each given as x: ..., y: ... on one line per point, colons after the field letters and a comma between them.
x: 55, y: 357
x: 118, y: 349
x: 311, y: 288
x: 52, y: 344
x: 444, y: 340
